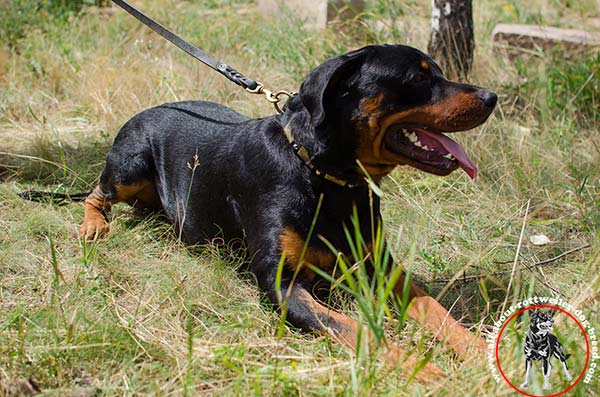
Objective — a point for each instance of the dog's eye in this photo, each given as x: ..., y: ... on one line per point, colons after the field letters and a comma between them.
x: 420, y: 77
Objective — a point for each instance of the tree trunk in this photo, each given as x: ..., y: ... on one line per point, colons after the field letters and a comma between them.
x: 452, y: 42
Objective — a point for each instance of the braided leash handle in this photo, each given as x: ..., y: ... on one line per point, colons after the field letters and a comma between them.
x: 236, y: 76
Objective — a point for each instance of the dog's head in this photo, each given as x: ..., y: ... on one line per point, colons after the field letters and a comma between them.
x: 540, y: 322
x: 392, y: 104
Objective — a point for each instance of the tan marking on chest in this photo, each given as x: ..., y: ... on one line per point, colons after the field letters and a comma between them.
x: 292, y: 246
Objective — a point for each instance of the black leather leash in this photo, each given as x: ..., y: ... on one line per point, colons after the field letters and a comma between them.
x: 250, y: 85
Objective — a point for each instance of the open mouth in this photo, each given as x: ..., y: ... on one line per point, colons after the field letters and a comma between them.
x: 428, y: 150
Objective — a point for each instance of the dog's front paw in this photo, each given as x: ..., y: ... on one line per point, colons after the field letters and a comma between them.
x: 547, y: 386
x: 524, y: 385
x: 429, y: 373
x: 477, y: 345
x: 93, y: 228
x: 568, y: 376
x: 470, y: 347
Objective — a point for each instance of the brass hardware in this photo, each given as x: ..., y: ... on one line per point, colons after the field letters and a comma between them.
x: 273, y: 97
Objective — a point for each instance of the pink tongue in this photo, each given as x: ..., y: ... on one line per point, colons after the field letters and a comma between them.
x: 454, y: 149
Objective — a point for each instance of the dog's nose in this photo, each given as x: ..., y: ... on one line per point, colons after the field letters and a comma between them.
x: 488, y: 97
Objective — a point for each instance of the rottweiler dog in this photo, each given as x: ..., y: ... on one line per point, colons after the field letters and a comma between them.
x: 217, y: 173
x: 541, y: 345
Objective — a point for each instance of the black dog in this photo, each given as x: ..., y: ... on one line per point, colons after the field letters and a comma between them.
x: 541, y: 345
x: 215, y: 172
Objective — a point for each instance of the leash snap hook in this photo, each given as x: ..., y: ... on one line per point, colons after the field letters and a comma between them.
x: 272, y: 97
x: 280, y: 96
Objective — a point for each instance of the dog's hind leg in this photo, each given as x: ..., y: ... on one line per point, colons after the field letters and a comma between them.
x: 528, y: 363
x: 98, y: 204
x: 128, y: 176
x: 96, y: 208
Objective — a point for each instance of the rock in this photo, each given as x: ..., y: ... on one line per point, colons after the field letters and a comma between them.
x: 539, y: 239
x: 522, y: 38
x: 315, y: 13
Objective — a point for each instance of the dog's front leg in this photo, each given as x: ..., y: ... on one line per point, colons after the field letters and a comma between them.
x: 558, y: 353
x: 436, y: 319
x: 305, y: 312
x: 566, y: 370
x: 546, y: 367
x: 302, y: 310
x: 525, y: 383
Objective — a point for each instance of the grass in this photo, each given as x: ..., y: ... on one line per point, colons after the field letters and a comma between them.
x: 138, y: 313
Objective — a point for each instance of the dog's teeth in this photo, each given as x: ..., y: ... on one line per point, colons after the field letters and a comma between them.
x: 413, y: 137
x: 425, y: 147
x: 418, y: 144
x: 449, y: 156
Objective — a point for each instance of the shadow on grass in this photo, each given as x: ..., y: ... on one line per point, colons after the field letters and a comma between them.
x: 51, y: 163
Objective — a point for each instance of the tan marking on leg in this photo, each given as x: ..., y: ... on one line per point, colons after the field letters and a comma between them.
x: 395, y: 354
x: 97, y: 206
x: 436, y: 319
x: 340, y: 327
x: 344, y: 329
x: 94, y: 215
x: 145, y: 197
x: 292, y: 245
x: 128, y: 193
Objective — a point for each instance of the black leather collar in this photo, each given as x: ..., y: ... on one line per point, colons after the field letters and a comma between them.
x: 303, y: 154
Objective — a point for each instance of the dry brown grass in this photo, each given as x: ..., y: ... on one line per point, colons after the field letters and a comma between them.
x: 139, y: 314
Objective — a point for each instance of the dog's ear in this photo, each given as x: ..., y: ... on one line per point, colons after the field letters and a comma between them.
x: 323, y: 79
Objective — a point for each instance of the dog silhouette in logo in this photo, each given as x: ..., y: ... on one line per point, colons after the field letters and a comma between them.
x: 541, y: 345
